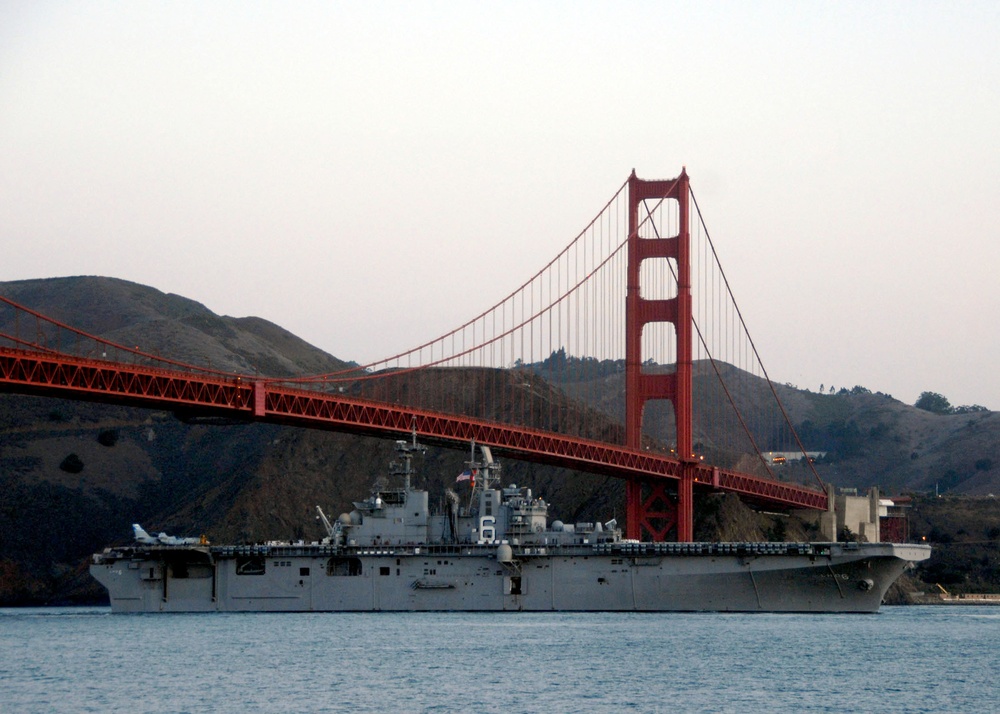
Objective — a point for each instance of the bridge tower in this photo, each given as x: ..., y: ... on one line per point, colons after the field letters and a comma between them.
x: 649, y: 507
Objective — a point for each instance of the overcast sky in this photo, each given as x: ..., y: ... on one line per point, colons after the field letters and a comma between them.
x: 369, y: 175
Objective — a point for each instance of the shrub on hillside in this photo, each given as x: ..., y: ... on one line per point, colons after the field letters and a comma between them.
x: 72, y: 464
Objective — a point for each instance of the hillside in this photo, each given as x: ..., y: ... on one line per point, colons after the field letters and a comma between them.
x: 74, y: 476
x: 171, y: 325
x: 869, y: 438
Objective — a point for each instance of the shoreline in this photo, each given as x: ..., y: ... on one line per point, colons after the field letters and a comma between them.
x: 953, y: 600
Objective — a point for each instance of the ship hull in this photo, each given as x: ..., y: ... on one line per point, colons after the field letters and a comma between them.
x: 626, y: 577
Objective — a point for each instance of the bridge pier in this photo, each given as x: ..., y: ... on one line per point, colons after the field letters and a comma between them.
x: 652, y: 511
x: 685, y: 506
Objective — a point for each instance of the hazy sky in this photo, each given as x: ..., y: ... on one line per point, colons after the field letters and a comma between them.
x: 369, y: 175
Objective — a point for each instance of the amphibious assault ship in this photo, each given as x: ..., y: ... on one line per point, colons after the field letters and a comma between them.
x: 495, y: 552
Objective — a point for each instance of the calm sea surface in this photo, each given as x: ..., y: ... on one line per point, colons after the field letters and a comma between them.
x: 915, y: 659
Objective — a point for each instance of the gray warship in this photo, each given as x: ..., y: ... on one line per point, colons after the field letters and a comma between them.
x: 495, y: 552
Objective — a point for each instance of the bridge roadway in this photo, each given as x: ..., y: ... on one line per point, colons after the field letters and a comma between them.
x: 244, y: 397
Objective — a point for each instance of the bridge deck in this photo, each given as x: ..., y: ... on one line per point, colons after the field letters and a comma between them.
x: 64, y: 376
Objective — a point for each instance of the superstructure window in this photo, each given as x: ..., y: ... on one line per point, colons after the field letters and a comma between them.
x: 343, y: 566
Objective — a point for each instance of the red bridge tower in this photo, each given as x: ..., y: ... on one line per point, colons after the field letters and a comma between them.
x: 650, y: 508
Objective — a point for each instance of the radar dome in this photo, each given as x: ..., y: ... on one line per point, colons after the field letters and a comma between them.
x: 505, y: 553
x: 557, y: 526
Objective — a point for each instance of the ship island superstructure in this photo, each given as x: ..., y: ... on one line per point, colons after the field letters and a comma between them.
x: 495, y: 552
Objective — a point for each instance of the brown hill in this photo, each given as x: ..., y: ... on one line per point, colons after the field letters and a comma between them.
x: 173, y: 326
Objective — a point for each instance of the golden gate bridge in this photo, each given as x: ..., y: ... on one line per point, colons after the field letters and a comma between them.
x: 635, y: 309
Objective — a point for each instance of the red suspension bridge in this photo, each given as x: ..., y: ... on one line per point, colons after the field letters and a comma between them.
x: 635, y: 310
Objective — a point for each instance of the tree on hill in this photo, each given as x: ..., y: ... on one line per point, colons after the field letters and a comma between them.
x: 933, y: 402
x: 969, y: 409
x: 938, y: 404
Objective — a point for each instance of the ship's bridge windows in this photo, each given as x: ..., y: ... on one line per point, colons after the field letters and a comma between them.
x: 392, y: 498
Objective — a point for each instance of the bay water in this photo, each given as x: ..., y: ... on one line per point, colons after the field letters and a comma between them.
x: 904, y: 659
